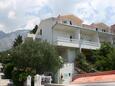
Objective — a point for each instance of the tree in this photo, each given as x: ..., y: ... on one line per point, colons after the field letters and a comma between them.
x: 105, y: 57
x: 34, y: 29
x: 18, y: 41
x: 81, y: 63
x: 36, y: 54
x: 34, y: 57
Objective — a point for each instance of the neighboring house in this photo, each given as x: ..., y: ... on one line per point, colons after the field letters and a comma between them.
x: 106, y: 78
x: 70, y: 36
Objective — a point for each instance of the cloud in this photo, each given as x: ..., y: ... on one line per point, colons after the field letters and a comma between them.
x: 4, y: 4
x: 32, y: 22
x: 96, y: 11
x: 2, y: 26
x: 12, y: 15
x: 23, y: 14
x: 62, y: 7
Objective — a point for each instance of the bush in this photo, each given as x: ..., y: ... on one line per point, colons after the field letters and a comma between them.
x: 81, y: 63
x: 8, y: 70
x: 105, y: 57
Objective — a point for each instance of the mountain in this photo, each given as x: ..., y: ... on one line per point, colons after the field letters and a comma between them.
x: 7, y: 39
x: 2, y: 34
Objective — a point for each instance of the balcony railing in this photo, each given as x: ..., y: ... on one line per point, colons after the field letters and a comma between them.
x: 91, y: 43
x: 68, y: 40
x: 76, y: 41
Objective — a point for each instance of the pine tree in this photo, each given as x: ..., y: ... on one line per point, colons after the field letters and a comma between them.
x: 34, y: 29
x: 18, y: 41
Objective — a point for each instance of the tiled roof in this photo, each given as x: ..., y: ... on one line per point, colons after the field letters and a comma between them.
x: 73, y: 18
x: 100, y: 25
x: 107, y: 76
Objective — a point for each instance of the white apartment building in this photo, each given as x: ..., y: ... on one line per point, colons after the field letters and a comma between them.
x: 70, y: 36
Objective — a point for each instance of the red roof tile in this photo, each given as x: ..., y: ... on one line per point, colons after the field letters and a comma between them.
x: 106, y: 76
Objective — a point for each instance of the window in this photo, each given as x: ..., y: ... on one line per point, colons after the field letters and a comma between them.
x: 96, y: 29
x: 71, y: 37
x: 70, y: 23
x: 40, y: 31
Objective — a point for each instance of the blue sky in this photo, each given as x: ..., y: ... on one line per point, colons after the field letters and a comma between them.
x: 24, y: 14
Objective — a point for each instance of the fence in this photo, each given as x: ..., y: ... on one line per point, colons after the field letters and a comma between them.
x: 39, y: 80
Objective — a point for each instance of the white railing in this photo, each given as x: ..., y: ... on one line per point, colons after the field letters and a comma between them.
x: 91, y: 43
x: 39, y: 80
x: 68, y: 40
x: 76, y: 41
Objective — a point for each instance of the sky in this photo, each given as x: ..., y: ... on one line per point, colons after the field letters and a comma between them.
x: 25, y: 14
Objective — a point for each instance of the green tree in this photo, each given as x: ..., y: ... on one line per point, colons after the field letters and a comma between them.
x: 105, y: 57
x: 8, y: 68
x: 34, y: 57
x: 81, y: 63
x: 34, y: 29
x: 6, y: 59
x: 18, y: 41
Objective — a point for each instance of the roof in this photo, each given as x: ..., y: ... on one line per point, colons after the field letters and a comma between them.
x: 100, y: 25
x: 107, y: 76
x: 71, y: 17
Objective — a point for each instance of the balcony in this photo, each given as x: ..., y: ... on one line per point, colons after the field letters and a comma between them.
x: 89, y: 44
x: 67, y: 42
x: 62, y: 41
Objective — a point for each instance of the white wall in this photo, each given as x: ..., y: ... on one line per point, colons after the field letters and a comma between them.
x: 66, y: 72
x: 71, y: 53
x: 46, y: 26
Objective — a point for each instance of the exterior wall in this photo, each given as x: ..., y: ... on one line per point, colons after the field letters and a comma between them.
x: 113, y: 29
x: 31, y: 36
x: 66, y: 73
x: 71, y: 55
x: 46, y: 26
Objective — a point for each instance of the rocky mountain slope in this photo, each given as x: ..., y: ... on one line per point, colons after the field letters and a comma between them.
x: 7, y: 39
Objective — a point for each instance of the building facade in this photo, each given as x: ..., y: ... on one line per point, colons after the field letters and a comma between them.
x: 70, y: 36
